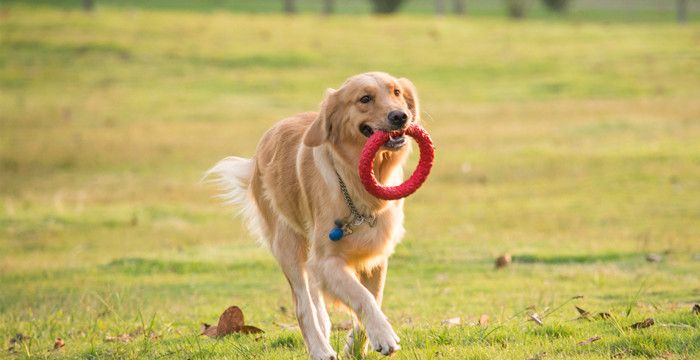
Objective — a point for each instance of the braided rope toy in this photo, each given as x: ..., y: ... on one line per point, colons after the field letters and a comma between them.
x: 425, y: 163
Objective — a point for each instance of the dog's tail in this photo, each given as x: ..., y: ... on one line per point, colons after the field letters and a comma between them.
x: 233, y: 175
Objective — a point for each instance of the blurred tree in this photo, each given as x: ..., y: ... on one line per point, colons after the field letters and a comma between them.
x: 557, y: 5
x: 290, y: 6
x: 88, y: 5
x: 516, y: 8
x: 458, y: 7
x: 440, y: 7
x: 386, y: 6
x: 328, y: 7
x: 682, y: 11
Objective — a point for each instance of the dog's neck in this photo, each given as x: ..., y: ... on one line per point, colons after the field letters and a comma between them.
x: 387, y: 169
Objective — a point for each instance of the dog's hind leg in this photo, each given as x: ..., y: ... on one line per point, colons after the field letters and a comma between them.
x: 290, y: 251
x: 324, y: 321
x: 373, y: 280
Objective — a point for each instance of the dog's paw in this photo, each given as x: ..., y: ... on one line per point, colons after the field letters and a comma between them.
x: 323, y: 354
x: 382, y: 337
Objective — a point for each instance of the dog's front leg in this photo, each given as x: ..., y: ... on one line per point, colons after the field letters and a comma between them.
x: 373, y: 280
x: 341, y: 282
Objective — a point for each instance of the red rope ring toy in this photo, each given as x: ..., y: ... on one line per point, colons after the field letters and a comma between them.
x: 425, y: 163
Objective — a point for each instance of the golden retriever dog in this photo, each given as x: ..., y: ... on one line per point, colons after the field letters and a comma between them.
x: 303, y: 181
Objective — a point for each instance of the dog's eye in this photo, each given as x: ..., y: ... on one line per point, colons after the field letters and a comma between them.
x: 365, y: 99
x: 397, y: 92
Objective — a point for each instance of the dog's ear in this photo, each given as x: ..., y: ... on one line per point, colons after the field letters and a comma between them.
x: 410, y: 96
x: 321, y: 129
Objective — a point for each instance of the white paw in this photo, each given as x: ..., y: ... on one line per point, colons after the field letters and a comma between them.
x: 382, y: 337
x: 323, y: 354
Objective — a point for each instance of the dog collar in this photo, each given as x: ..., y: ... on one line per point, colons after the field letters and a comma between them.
x: 344, y: 226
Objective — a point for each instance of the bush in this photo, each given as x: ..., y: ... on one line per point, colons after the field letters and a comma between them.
x: 386, y: 6
x: 516, y: 8
x: 557, y: 5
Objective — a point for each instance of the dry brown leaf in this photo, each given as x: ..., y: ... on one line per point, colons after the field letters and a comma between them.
x: 503, y: 261
x: 696, y: 309
x: 451, y: 322
x: 229, y: 322
x: 604, y: 315
x: 16, y: 340
x: 536, y: 318
x: 483, y: 320
x: 643, y: 324
x: 248, y: 329
x: 207, y: 330
x: 590, y: 340
x: 620, y: 354
x: 59, y: 343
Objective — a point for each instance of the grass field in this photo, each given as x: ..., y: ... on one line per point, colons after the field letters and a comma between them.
x: 574, y: 146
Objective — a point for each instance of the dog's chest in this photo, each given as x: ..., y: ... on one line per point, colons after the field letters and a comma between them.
x: 378, y: 241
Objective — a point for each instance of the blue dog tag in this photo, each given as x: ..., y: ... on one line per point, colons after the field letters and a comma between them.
x: 335, y: 234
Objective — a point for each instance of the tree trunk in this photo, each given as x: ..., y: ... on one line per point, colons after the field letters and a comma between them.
x: 290, y: 6
x: 458, y: 7
x: 386, y: 6
x: 88, y: 5
x: 516, y: 8
x: 682, y: 11
x: 440, y: 7
x: 328, y: 7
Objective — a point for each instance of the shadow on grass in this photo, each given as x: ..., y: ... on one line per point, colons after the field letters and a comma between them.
x: 575, y: 259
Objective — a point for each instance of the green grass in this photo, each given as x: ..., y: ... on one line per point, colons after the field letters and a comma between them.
x: 574, y: 146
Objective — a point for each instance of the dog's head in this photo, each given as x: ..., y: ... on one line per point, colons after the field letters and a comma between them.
x: 365, y: 103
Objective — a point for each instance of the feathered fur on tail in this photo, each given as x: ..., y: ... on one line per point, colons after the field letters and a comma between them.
x: 233, y: 174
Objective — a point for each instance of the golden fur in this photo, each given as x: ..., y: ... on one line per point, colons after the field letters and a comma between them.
x: 291, y: 197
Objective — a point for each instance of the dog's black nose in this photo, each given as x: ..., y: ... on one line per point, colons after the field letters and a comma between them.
x: 398, y: 118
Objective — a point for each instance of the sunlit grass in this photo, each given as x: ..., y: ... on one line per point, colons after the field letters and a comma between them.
x: 574, y: 147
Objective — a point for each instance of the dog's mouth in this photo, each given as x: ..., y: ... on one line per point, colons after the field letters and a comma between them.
x: 394, y: 142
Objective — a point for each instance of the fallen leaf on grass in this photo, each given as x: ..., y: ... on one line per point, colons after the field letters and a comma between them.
x: 604, y: 315
x: 620, y: 354
x: 229, y: 322
x: 643, y: 324
x: 455, y: 321
x: 696, y: 309
x: 583, y: 314
x: 503, y: 261
x: 536, y: 318
x: 589, y: 340
x: 59, y: 343
x: 16, y: 340
x: 483, y: 320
